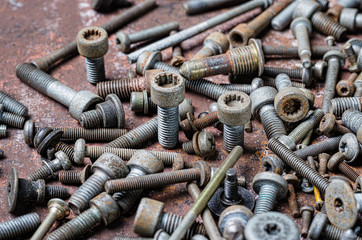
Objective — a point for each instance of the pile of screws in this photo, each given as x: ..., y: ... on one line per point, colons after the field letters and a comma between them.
x: 280, y: 98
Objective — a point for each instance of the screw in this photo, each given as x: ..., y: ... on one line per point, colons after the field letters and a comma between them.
x: 350, y: 147
x: 288, y: 51
x: 353, y: 120
x: 327, y: 145
x: 337, y: 162
x: 3, y: 129
x: 206, y: 88
x: 326, y: 25
x: 358, y: 85
x: 194, y: 7
x: 306, y: 140
x: 323, y: 161
x: 202, y: 144
x: 241, y: 34
x: 77, y: 102
x: 330, y: 41
x: 307, y: 215
x: 74, y: 177
x: 349, y: 234
x: 108, y: 166
x: 216, y: 43
x: 124, y: 40
x: 282, y: 19
x: 61, y: 161
x: 109, y: 113
x: 19, y: 226
x: 270, y: 82
x: 298, y: 164
x: 293, y: 182
x: 187, y: 33
x: 58, y: 209
x: 304, y: 74
x: 246, y: 88
x: 191, y: 125
x: 101, y: 5
x: 233, y: 61
x: 177, y: 56
x: 317, y: 195
x: 351, y: 19
x: 302, y: 28
x: 351, y: 56
x: 11, y: 119
x: 13, y: 106
x: 345, y: 87
x: 338, y: 106
x: 272, y: 163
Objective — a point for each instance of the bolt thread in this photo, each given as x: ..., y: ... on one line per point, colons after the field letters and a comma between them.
x: 231, y: 185
x: 206, y: 88
x: 68, y: 150
x: 166, y: 67
x: 292, y: 73
x: 298, y: 164
x: 348, y: 171
x: 337, y: 106
x: 188, y: 147
x: 244, y: 60
x: 78, y: 226
x: 136, y: 136
x: 91, y: 119
x: 271, y: 82
x: 95, y: 69
x: 70, y: 177
x: 246, y: 88
x: 101, y: 134
x: 3, y: 130
x: 206, y: 121
x: 273, y: 125
x: 126, y: 200
x: 43, y: 172
x: 151, y: 105
x: 19, y: 226
x: 56, y: 192
x: 328, y: 26
x: 121, y: 87
x: 331, y: 232
x: 352, y: 119
x: 233, y: 136
x: 13, y: 106
x: 12, y: 120
x: 313, y: 150
x: 167, y: 126
x: 266, y: 199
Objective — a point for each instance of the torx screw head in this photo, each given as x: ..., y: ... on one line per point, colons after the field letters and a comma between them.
x: 92, y: 42
x: 234, y: 108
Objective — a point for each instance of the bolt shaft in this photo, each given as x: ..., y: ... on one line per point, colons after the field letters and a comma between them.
x: 168, y: 126
x: 122, y: 87
x: 288, y: 51
x: 11, y: 119
x: 192, y: 7
x: 330, y: 83
x: 268, y: 81
x: 348, y: 171
x: 292, y: 201
x: 326, y: 25
x: 282, y: 20
x: 99, y: 134
x: 315, y: 149
x: 233, y: 136
x: 95, y: 69
x: 273, y: 125
x: 338, y: 106
x: 352, y: 119
x: 304, y: 49
x: 188, y: 147
x: 45, y: 225
x: 19, y: 226
x: 56, y: 192
x: 45, y: 171
x: 70, y: 177
x: 13, y: 106
x: 3, y: 129
x: 68, y: 150
x: 306, y: 220
x: 358, y: 85
x: 206, y: 88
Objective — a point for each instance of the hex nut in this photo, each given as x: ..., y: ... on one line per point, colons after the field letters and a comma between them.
x: 107, y: 206
x: 260, y: 97
x: 272, y: 163
x: 123, y: 42
x: 92, y: 42
x: 272, y: 179
x: 301, y: 21
x: 350, y: 147
x: 111, y: 164
x: 234, y: 108
x: 146, y: 61
x: 146, y: 161
x: 335, y: 160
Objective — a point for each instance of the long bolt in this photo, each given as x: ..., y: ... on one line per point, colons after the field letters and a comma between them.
x: 326, y: 25
x: 11, y: 119
x: 352, y: 119
x: 337, y: 162
x: 193, y: 7
x: 338, y: 106
x: 19, y: 226
x: 13, y: 106
x: 302, y: 28
x: 282, y: 20
x: 328, y: 145
x: 345, y: 87
x: 288, y: 51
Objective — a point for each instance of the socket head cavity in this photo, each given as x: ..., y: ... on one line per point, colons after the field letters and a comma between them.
x: 234, y: 108
x: 83, y: 101
x: 123, y: 42
x: 272, y: 163
x: 29, y: 132
x: 61, y: 206
x: 335, y: 160
x: 301, y: 21
x: 107, y: 206
x: 146, y: 61
x: 334, y: 54
x: 217, y: 41
x: 146, y: 161
x: 271, y: 178
x: 350, y: 147
x: 167, y: 89
x: 79, y: 151
x: 112, y: 165
x: 112, y: 112
x: 327, y: 123
x: 306, y: 9
x: 348, y: 18
x: 260, y: 97
x: 92, y: 42
x: 233, y: 220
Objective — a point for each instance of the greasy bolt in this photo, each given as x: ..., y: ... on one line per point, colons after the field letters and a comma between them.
x: 307, y: 215
x: 191, y: 125
x: 302, y: 29
x: 202, y: 144
x: 293, y: 182
x: 177, y: 55
x: 345, y: 87
x: 19, y: 226
x: 13, y: 106
x: 327, y: 145
x: 74, y: 177
x: 216, y: 43
x: 337, y: 162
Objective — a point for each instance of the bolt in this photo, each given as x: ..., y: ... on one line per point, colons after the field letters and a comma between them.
x: 351, y: 19
x: 326, y: 25
x: 327, y: 145
x: 233, y: 61
x: 282, y: 20
x: 272, y: 163
x: 167, y: 92
x: 3, y: 129
x: 262, y: 100
x: 288, y: 51
x: 192, y: 7
x: 75, y: 177
x: 109, y: 113
x: 159, y: 235
x: 177, y: 56
x: 345, y: 87
x: 349, y: 234
x: 58, y: 209
x: 61, y: 161
x: 216, y: 43
x: 13, y: 106
x: 307, y: 215
x: 298, y: 164
x: 293, y: 182
x: 302, y: 28
x: 330, y: 41
x: 77, y: 102
x: 104, y: 6
x: 19, y: 226
x: 124, y: 40
x: 270, y: 82
x: 108, y: 166
x: 317, y: 195
x: 246, y: 88
x: 241, y: 34
x: 304, y: 74
x: 11, y: 119
x: 353, y: 120
x: 350, y: 147
x: 351, y: 56
x: 337, y: 162
x: 70, y: 50
x: 200, y: 172
x: 197, y: 29
x: 191, y: 125
x: 358, y: 85
x: 150, y: 217
x: 202, y: 144
x: 233, y: 110
x: 329, y: 125
x: 335, y: 11
x: 306, y: 140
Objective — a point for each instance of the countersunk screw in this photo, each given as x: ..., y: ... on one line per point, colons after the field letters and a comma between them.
x: 191, y: 125
x: 345, y: 87
x: 282, y: 20
x: 351, y: 56
x: 353, y: 120
x: 326, y: 25
x: 177, y: 56
x: 246, y: 88
x: 337, y: 162
x: 124, y: 40
x: 327, y: 145
x: 19, y: 226
x: 302, y: 28
x: 11, y: 119
x: 77, y: 102
x: 307, y: 215
x: 58, y: 209
x: 74, y: 177
x: 150, y: 217
x: 338, y: 106
x: 216, y: 43
x: 202, y: 144
x: 293, y: 182
x: 13, y: 106
x: 108, y: 166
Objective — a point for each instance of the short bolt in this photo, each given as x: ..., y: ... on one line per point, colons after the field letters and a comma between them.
x: 19, y: 226
x: 272, y: 163
x: 74, y: 177
x: 350, y: 147
x: 202, y: 144
x: 337, y: 162
x: 351, y: 56
x: 234, y: 110
x: 328, y: 145
x: 92, y: 43
x: 177, y: 56
x: 11, y: 119
x: 307, y: 215
x: 293, y: 182
x: 329, y: 125
x: 13, y: 106
x: 216, y: 43
x: 345, y: 87
x: 330, y: 41
x: 191, y: 125
x: 282, y: 20
x: 302, y: 28
x: 326, y: 25
x: 353, y: 120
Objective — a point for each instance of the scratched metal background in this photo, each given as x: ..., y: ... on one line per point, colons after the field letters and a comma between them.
x: 30, y: 29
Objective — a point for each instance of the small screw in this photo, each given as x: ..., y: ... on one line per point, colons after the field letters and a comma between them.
x: 177, y: 56
x: 328, y: 145
x: 293, y: 182
x: 302, y: 28
x: 202, y: 144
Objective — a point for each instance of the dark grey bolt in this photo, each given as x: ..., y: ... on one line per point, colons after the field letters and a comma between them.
x: 271, y: 225
x: 202, y: 144
x: 234, y: 110
x: 327, y: 145
x: 74, y: 177
x: 351, y: 19
x: 193, y: 7
x: 302, y: 28
x: 108, y: 166
x: 307, y: 215
x: 282, y: 20
x: 11, y: 119
x: 353, y: 120
x: 13, y: 106
x: 108, y: 5
x: 150, y: 217
x: 167, y: 92
x: 124, y: 40
x: 19, y: 226
x: 246, y: 88
x: 216, y: 43
x: 103, y: 208
x: 77, y: 102
x: 107, y: 114
x: 92, y: 43
x: 351, y: 56
x: 305, y: 74
x: 350, y: 147
x: 3, y: 131
x: 60, y: 162
x: 263, y: 109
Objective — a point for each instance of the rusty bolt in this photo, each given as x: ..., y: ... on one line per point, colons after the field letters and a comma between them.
x: 350, y: 147
x: 191, y: 125
x: 337, y: 162
x: 323, y: 161
x: 202, y: 144
x: 293, y: 182
x: 216, y: 43
x: 345, y: 87
x: 307, y: 215
x: 329, y: 125
x: 177, y: 55
x: 74, y: 177
x: 19, y: 226
x: 326, y: 25
x: 351, y: 56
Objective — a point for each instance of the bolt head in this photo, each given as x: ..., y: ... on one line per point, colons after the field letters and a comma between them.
x: 256, y: 43
x: 236, y: 214
x: 61, y: 206
x: 83, y: 101
x: 306, y: 9
x: 79, y: 151
x: 29, y: 132
x: 273, y: 179
x: 92, y: 42
x: 272, y: 163
x: 358, y: 185
x: 327, y: 123
x: 204, y: 143
x: 334, y: 54
x: 12, y: 186
x: 123, y: 42
x: 320, y: 220
x: 137, y: 101
x: 238, y: 37
x: 319, y: 70
x: 45, y: 138
x: 345, y: 89
x: 146, y: 161
x: 260, y: 97
x: 112, y: 165
x: 107, y: 207
x: 335, y: 160
x: 257, y: 83
x: 219, y: 40
x: 205, y: 173
x: 234, y: 108
x: 287, y: 141
x: 63, y: 159
x: 86, y: 172
x: 146, y: 61
x: 177, y: 61
x: 301, y: 21
x: 349, y: 146
x: 348, y: 18
x: 184, y: 108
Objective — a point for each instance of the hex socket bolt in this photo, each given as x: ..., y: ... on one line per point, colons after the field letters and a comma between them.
x: 13, y: 106
x: 329, y: 125
x: 238, y: 61
x: 11, y: 119
x: 151, y: 217
x: 338, y: 106
x: 307, y: 216
x: 284, y: 17
x: 234, y: 110
x: 262, y: 106
x: 60, y: 162
x: 345, y: 87
x: 200, y: 173
x: 19, y: 226
x: 351, y: 19
x: 302, y: 28
x: 107, y: 114
x: 74, y: 177
x: 293, y: 182
x: 167, y: 92
x: 353, y: 120
x: 337, y: 162
x: 202, y: 144
x: 216, y: 43
x: 124, y: 40
x: 272, y: 163
x: 242, y: 33
x: 77, y: 102
x: 298, y: 164
x: 191, y: 125
x: 358, y: 85
x: 108, y: 166
x: 58, y: 209
x: 291, y: 103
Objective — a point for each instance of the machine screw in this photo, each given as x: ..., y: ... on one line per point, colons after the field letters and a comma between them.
x: 351, y: 19
x: 330, y: 41
x: 326, y: 25
x: 3, y: 132
x: 350, y: 147
x: 338, y: 106
x: 302, y: 28
x: 75, y: 177
x: 306, y: 140
x: 304, y: 74
x: 11, y: 119
x: 216, y: 43
x: 124, y: 40
x: 108, y: 166
x: 272, y: 163
x: 288, y: 51
x: 293, y: 182
x: 177, y: 55
x: 13, y: 106
x: 233, y: 61
x: 353, y: 120
x: 150, y: 217
x: 202, y: 144
x: 345, y: 87
x: 233, y: 110
x: 206, y: 88
x: 337, y: 162
x: 282, y: 20
x: 19, y: 226
x: 192, y: 7
x: 307, y: 215
x: 109, y: 113
x: 191, y: 125
x: 351, y: 56
x: 58, y: 209
x: 77, y: 102
x: 328, y: 145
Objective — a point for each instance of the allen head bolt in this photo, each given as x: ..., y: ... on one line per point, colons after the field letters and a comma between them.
x: 350, y: 147
x: 202, y: 144
x: 272, y: 163
x: 345, y: 87
x: 216, y: 43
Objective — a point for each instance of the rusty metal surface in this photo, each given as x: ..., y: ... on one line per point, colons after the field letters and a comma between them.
x: 31, y: 29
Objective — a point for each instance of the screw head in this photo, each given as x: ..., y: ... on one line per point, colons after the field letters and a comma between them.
x: 85, y: 173
x: 320, y: 220
x: 349, y: 146
x: 92, y: 42
x: 308, y: 208
x: 319, y: 70
x: 306, y: 9
x: 146, y: 61
x: 292, y: 179
x: 111, y: 164
x: 358, y: 185
x: 260, y: 97
x: 50, y: 140
x: 177, y: 61
x: 61, y: 207
x: 272, y: 163
x: 348, y: 18
x: 232, y: 217
x: 205, y: 173
x: 29, y: 132
x: 334, y: 54
x: 327, y: 123
x: 107, y: 207
x: 123, y: 42
x: 146, y: 161
x: 63, y: 159
x: 219, y: 40
x: 12, y: 186
x: 335, y: 160
x: 79, y: 151
x: 234, y: 108
x: 109, y: 114
x: 137, y: 102
x: 271, y: 179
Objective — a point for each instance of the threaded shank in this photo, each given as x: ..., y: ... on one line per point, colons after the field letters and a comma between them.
x: 273, y: 125
x: 99, y: 134
x: 332, y: 233
x: 12, y: 120
x: 95, y: 70
x: 266, y: 199
x: 328, y: 26
x: 91, y: 119
x: 122, y: 87
x: 268, y: 81
x: 348, y: 171
x: 246, y: 88
x: 71, y: 177
x: 43, y: 172
x: 13, y: 106
x: 19, y: 226
x: 206, y: 88
x: 56, y: 192
x: 244, y: 60
x: 167, y: 126
x: 233, y: 136
x: 352, y: 119
x: 166, y: 67
x: 292, y: 73
x: 313, y: 150
x: 337, y: 106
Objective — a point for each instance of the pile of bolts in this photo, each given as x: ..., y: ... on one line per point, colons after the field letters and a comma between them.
x: 279, y: 98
